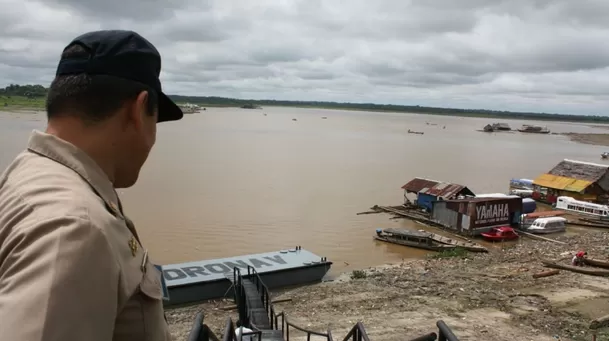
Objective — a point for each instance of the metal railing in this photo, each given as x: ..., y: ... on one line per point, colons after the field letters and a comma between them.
x: 357, y: 333
x: 200, y: 331
x: 231, y: 335
x: 265, y: 295
x: 286, y: 325
x: 446, y: 334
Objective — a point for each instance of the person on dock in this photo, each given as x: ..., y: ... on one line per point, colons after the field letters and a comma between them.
x: 578, y: 259
x: 71, y: 263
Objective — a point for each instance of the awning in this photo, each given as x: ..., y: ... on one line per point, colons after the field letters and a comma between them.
x: 562, y: 183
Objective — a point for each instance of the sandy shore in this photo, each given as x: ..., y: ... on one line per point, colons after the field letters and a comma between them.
x: 595, y: 139
x: 482, y: 296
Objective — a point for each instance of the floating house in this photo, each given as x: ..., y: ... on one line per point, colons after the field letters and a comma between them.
x: 428, y: 191
x: 472, y: 216
x: 584, y: 181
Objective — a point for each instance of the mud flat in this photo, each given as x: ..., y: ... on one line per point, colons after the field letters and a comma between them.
x: 595, y: 139
x: 480, y: 296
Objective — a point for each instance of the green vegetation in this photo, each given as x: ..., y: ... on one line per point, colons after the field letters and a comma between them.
x: 452, y: 253
x: 34, y: 94
x: 21, y: 102
x: 358, y: 274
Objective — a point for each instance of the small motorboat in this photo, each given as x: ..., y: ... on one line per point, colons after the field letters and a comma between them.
x: 604, y: 155
x: 499, y: 234
x: 548, y: 225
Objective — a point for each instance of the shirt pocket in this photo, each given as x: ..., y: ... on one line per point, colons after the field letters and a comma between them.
x: 151, y: 300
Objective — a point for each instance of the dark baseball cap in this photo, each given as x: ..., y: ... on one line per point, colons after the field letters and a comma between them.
x: 123, y: 54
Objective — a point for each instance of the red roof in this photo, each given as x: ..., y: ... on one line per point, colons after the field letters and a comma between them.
x: 418, y: 184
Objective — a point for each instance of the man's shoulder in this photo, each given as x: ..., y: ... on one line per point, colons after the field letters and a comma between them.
x: 34, y: 184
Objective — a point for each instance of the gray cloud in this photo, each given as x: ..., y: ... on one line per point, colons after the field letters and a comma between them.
x: 501, y: 54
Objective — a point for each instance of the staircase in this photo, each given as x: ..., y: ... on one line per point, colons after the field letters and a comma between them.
x: 257, y: 313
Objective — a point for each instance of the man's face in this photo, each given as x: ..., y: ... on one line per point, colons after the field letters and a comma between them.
x: 139, y: 135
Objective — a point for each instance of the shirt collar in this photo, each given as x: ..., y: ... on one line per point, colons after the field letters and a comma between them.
x: 74, y: 158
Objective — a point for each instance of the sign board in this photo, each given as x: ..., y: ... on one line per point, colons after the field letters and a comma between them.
x: 163, y: 283
x: 492, y: 214
x: 215, y: 269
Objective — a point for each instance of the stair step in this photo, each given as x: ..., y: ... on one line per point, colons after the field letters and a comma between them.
x: 272, y: 335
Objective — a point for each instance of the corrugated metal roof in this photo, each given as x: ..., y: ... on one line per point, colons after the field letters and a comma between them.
x: 561, y: 183
x: 579, y: 170
x: 418, y: 184
x: 435, y: 188
x: 446, y: 190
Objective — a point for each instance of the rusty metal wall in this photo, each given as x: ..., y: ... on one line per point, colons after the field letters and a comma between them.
x: 445, y: 216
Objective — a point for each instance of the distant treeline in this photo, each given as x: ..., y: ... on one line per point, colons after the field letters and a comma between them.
x: 24, y: 90
x: 222, y: 101
x: 32, y: 91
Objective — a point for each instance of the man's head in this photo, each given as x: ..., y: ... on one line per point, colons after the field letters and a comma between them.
x: 106, y: 98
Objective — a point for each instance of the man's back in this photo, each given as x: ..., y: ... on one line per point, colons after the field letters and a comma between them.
x: 71, y: 266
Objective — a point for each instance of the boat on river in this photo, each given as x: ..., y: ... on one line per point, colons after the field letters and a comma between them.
x: 499, y: 234
x: 533, y: 129
x: 604, y: 155
x: 416, y: 239
x: 548, y: 225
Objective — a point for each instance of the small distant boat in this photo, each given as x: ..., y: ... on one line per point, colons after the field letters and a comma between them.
x: 604, y: 155
x: 416, y: 239
x: 548, y: 225
x: 533, y: 129
x: 499, y: 234
x: 415, y: 132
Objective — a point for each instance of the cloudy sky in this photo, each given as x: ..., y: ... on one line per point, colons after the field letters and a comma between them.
x: 531, y: 55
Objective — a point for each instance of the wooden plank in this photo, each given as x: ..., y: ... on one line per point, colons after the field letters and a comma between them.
x: 470, y: 246
x: 534, y: 236
x: 546, y: 274
x: 596, y: 262
x: 585, y: 271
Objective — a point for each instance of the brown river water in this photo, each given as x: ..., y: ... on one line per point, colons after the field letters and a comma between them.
x: 227, y: 181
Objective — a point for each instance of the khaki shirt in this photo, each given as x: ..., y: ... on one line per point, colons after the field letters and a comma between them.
x: 71, y: 264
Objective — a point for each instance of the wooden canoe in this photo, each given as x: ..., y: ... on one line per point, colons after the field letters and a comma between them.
x: 432, y: 247
x: 578, y: 269
x: 469, y: 246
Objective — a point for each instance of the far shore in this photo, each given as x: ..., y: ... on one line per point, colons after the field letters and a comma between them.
x: 584, y: 138
x: 20, y: 104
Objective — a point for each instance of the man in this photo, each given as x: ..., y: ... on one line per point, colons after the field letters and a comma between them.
x: 71, y: 263
x: 578, y: 259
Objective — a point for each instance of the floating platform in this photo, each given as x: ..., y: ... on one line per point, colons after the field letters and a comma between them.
x: 208, y: 279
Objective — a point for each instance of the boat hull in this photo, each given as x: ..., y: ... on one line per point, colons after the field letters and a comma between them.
x: 495, y: 238
x: 545, y: 231
x: 194, y: 282
x: 433, y: 247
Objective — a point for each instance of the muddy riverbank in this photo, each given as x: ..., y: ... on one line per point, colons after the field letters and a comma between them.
x: 594, y: 139
x: 481, y: 296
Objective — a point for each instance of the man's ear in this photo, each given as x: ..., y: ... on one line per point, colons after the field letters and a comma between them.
x: 137, y: 109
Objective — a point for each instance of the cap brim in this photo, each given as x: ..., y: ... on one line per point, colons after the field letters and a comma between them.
x: 168, y: 110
